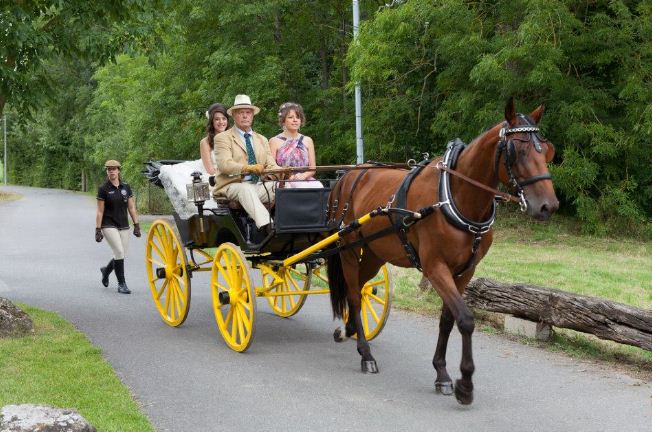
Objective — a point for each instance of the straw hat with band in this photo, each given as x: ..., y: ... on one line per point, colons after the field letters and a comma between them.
x: 242, y: 101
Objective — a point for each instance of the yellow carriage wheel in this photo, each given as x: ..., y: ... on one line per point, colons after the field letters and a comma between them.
x: 376, y: 301
x: 280, y: 286
x: 234, y: 300
x: 167, y: 273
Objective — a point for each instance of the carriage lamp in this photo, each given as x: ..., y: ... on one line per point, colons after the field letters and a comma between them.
x: 198, y: 191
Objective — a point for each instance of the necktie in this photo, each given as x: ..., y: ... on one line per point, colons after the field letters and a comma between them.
x: 251, y: 156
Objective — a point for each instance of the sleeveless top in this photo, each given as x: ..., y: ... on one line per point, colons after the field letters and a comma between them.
x: 292, y: 153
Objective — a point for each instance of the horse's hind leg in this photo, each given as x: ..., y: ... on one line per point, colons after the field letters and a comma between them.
x: 356, y: 274
x: 443, y: 382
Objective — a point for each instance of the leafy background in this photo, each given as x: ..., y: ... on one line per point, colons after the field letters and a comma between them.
x: 82, y: 82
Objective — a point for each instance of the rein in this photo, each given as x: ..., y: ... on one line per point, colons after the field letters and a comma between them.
x: 506, y: 197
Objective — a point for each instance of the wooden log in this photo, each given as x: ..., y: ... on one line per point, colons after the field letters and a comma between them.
x: 605, y: 319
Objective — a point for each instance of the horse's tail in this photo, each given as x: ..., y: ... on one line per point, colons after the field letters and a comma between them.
x: 337, y: 285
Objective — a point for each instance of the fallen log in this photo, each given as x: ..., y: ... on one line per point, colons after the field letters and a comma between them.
x: 605, y: 319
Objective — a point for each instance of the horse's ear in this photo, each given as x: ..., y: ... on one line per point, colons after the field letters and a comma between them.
x: 510, y: 112
x: 537, y: 113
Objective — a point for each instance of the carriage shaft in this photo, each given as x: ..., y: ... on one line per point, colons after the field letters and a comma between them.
x: 326, y: 242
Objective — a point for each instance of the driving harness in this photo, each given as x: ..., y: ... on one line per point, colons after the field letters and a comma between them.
x: 402, y: 219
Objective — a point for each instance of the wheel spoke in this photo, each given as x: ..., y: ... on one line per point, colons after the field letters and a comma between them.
x: 234, y: 323
x: 178, y: 295
x: 374, y: 283
x: 371, y: 310
x: 153, y: 261
x: 166, y: 306
x: 228, y: 318
x: 365, y: 319
x: 241, y: 329
x: 244, y: 308
x: 289, y: 280
x: 377, y: 299
x: 173, y: 300
x: 160, y: 292
x: 158, y: 251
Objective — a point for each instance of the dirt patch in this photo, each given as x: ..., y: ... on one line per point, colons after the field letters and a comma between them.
x: 8, y: 196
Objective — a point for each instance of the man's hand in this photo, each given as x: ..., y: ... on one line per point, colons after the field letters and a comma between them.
x: 98, y: 235
x: 137, y: 229
x: 253, y: 169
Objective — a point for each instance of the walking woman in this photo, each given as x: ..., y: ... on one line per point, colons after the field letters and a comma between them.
x: 114, y: 200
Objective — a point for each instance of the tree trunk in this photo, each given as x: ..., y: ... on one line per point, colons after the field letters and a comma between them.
x: 604, y: 319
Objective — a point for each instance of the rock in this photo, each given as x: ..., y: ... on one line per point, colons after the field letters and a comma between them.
x: 13, y: 321
x: 42, y: 418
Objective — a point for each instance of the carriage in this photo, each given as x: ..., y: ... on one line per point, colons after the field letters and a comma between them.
x: 284, y: 266
x: 436, y: 217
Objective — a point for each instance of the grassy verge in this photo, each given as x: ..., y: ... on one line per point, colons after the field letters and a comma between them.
x: 8, y: 196
x: 58, y: 366
x: 556, y: 255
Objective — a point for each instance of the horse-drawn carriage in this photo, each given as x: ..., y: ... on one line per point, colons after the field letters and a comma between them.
x: 284, y: 266
x: 436, y: 217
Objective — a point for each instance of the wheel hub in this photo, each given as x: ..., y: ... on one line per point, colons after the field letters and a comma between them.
x: 224, y: 298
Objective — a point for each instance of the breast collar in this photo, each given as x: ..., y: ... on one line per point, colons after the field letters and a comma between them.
x: 448, y: 207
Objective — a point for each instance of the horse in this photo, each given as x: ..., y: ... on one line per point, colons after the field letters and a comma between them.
x: 447, y: 232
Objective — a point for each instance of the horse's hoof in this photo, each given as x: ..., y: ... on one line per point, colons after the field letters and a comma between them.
x: 444, y: 388
x: 463, y: 393
x: 338, y: 335
x: 369, y: 366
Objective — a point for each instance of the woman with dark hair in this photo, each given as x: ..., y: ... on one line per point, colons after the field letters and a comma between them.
x: 292, y: 149
x: 174, y: 178
x: 114, y: 201
x: 218, y: 121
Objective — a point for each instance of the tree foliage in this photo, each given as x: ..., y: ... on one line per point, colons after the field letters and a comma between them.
x: 430, y: 70
x: 33, y: 31
x: 439, y: 69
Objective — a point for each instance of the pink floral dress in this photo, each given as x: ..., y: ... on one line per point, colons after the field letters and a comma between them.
x: 293, y: 153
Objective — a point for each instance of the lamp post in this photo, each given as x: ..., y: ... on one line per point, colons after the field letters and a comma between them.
x: 4, y: 161
x: 359, y: 147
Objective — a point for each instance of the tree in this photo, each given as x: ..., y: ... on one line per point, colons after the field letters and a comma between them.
x: 33, y: 31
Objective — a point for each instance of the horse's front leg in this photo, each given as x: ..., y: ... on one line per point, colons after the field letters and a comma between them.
x: 450, y: 292
x: 464, y: 385
x: 443, y: 382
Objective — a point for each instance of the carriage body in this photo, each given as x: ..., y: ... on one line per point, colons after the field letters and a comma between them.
x: 300, y: 220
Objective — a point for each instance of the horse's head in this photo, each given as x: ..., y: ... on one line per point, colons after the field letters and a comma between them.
x: 521, y: 162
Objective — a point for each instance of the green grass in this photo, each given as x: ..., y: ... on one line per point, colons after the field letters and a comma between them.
x: 555, y: 255
x: 58, y: 366
x: 8, y: 196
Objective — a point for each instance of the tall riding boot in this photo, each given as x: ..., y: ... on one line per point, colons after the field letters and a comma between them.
x: 106, y: 271
x: 120, y: 274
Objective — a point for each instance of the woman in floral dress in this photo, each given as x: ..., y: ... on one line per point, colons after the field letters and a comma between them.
x: 292, y: 149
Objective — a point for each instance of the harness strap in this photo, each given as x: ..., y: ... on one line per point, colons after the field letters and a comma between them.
x: 470, y: 263
x: 348, y: 202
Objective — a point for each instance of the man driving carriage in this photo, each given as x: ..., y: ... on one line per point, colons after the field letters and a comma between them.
x: 238, y: 151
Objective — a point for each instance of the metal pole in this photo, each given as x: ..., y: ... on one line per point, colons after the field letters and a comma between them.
x: 4, y: 161
x: 358, y: 95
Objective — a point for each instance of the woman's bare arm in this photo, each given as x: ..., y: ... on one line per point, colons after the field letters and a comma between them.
x: 205, y: 152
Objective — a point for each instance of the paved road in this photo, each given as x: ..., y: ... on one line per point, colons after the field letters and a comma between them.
x: 294, y: 377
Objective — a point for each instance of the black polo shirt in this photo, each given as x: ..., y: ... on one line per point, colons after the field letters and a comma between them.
x: 115, y: 204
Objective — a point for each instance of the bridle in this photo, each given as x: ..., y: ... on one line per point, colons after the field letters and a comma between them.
x: 507, y: 146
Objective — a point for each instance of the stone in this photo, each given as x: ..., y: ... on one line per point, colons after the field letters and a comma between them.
x: 42, y: 418
x: 13, y: 321
x: 531, y: 329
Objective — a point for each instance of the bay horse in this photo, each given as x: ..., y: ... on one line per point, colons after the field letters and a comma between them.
x: 439, y: 232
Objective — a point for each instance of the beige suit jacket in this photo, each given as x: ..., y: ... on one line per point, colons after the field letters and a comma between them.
x: 231, y: 156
